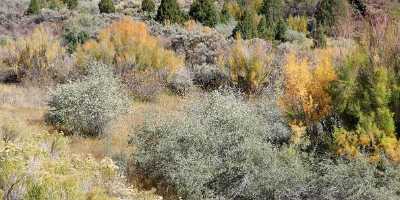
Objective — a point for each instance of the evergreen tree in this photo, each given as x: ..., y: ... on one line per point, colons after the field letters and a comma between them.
x: 71, y: 4
x: 148, y: 5
x: 319, y: 37
x: 34, y: 7
x: 106, y: 6
x: 247, y: 27
x: 328, y: 12
x: 169, y: 11
x: 205, y: 12
x: 273, y: 10
x: 280, y: 30
x: 225, y: 16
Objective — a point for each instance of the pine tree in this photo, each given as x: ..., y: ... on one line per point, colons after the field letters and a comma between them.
x: 205, y: 12
x: 148, y: 5
x: 328, y: 12
x: 106, y: 6
x: 169, y: 11
x: 34, y: 7
x: 273, y: 10
x: 225, y: 16
x: 247, y: 27
x: 71, y: 4
x: 280, y: 30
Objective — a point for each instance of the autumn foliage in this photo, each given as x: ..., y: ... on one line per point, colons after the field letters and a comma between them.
x: 35, y: 56
x: 305, y: 97
x: 127, y: 44
x: 249, y: 64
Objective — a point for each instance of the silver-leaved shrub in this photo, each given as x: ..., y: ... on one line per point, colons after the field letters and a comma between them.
x: 86, y: 106
x: 221, y: 148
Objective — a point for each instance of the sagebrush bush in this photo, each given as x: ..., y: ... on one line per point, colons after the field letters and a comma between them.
x: 106, y: 6
x: 87, y: 106
x: 357, y: 179
x: 35, y: 57
x: 219, y: 149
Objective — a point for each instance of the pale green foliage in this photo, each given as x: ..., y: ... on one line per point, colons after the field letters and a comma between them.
x: 86, y: 106
x: 37, y: 165
x: 220, y: 149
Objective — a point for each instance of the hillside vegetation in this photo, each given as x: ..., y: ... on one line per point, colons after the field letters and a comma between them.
x: 199, y: 99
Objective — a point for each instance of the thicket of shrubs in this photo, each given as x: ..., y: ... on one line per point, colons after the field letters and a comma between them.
x: 304, y: 123
x: 225, y: 150
x: 40, y: 165
x: 36, y: 57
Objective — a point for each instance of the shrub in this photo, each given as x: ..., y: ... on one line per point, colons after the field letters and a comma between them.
x: 306, y: 97
x: 106, y: 6
x: 298, y: 23
x: 127, y: 45
x: 148, y: 6
x: 145, y: 85
x: 205, y: 12
x: 34, y: 7
x: 340, y: 180
x: 362, y: 96
x: 295, y: 37
x: 209, y: 77
x: 71, y: 4
x: 328, y: 12
x: 273, y: 10
x: 56, y: 172
x: 73, y: 38
x: 86, y: 106
x: 280, y: 30
x: 219, y: 149
x: 35, y: 57
x: 169, y: 11
x: 249, y: 65
x: 247, y: 26
x: 80, y: 28
x: 180, y: 83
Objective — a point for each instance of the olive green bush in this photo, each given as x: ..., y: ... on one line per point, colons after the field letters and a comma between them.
x: 148, y: 5
x: 220, y: 148
x: 86, y: 106
x: 106, y: 6
x: 169, y: 11
x: 34, y: 7
x: 205, y: 12
x: 71, y: 4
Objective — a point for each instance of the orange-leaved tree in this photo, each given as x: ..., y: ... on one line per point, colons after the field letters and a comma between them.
x: 127, y: 44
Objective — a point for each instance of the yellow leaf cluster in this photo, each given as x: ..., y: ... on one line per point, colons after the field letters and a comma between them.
x: 298, y: 23
x: 248, y: 65
x: 38, y: 51
x: 128, y: 44
x: 373, y: 142
x: 305, y: 96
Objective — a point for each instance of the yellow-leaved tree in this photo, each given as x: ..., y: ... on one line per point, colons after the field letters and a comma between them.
x: 305, y: 97
x: 127, y: 44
